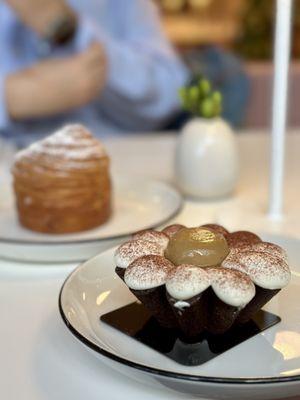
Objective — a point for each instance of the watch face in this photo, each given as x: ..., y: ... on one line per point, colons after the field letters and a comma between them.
x: 62, y: 30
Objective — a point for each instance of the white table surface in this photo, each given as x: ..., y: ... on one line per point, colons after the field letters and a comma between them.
x: 39, y: 359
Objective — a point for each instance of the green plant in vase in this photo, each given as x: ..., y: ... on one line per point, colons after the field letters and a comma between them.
x: 206, y: 162
x: 201, y: 100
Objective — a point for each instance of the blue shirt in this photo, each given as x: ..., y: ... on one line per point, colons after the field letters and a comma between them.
x: 144, y: 73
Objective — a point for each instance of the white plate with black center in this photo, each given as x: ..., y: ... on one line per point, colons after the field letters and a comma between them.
x: 267, y: 366
x: 137, y: 204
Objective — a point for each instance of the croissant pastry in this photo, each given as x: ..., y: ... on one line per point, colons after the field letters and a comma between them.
x: 62, y: 183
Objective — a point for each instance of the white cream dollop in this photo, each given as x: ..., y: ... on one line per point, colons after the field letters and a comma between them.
x: 262, y: 247
x: 186, y: 281
x: 150, y: 235
x: 130, y: 251
x: 147, y: 272
x: 265, y: 270
x: 232, y: 287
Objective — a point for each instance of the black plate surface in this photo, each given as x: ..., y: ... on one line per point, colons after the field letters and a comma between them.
x: 135, y: 321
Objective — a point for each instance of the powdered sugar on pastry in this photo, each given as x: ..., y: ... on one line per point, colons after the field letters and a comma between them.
x: 232, y: 287
x: 186, y: 281
x: 147, y: 272
x: 130, y: 251
x: 153, y: 236
x: 72, y: 142
x: 239, y: 238
x: 265, y: 270
x: 270, y: 248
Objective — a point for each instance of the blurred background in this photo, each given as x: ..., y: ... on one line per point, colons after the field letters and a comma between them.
x: 243, y: 28
x: 109, y: 65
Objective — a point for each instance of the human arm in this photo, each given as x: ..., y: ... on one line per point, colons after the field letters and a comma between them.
x: 143, y: 73
x: 37, y: 84
x: 55, y: 85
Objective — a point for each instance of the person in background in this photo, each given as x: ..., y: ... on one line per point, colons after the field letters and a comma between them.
x: 103, y: 63
x: 226, y: 71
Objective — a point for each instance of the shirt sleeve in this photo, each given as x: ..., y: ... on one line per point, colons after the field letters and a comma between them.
x: 144, y: 72
x: 4, y: 118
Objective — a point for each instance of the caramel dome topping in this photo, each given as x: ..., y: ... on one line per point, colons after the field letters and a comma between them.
x: 197, y: 246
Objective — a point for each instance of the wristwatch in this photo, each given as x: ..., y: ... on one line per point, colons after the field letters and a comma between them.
x: 62, y: 30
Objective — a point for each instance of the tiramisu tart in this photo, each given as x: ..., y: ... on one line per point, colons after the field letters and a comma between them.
x: 62, y: 183
x: 203, y: 278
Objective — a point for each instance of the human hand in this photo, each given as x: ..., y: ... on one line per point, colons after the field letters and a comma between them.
x: 57, y: 85
x: 53, y: 20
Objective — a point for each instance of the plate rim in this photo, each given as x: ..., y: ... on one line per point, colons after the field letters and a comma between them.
x: 176, y: 211
x: 156, y: 371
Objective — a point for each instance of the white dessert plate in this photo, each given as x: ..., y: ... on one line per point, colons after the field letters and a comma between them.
x: 267, y: 366
x: 138, y: 204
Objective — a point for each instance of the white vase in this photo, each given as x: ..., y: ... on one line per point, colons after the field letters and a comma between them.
x: 206, y: 162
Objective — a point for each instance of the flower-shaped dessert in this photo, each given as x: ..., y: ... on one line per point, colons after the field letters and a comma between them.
x: 204, y: 278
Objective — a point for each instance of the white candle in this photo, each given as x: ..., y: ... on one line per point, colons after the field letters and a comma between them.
x: 279, y: 107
